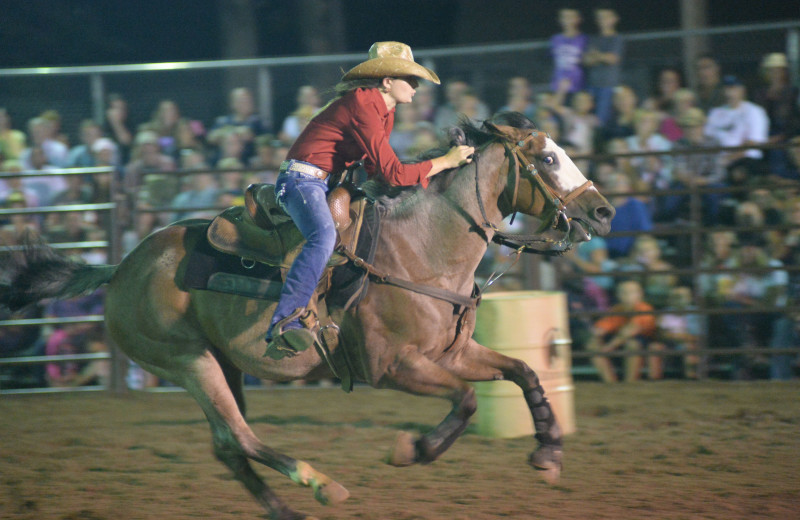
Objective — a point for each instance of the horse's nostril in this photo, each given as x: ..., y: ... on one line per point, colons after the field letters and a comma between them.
x: 603, y: 213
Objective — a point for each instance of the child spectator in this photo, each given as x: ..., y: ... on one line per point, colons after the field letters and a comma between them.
x: 81, y: 156
x: 12, y: 142
x: 519, y: 98
x: 646, y: 257
x: 55, y: 151
x: 149, y: 170
x: 678, y: 331
x: 581, y: 125
x: 632, y: 215
x: 633, y: 333
x: 603, y: 59
x: 567, y: 49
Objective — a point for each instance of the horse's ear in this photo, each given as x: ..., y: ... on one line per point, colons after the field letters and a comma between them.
x: 457, y: 136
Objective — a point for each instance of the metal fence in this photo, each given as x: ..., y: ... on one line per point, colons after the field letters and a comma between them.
x: 199, y: 87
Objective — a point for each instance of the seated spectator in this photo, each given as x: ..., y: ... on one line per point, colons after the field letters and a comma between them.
x: 646, y: 257
x: 632, y: 215
x: 71, y: 338
x: 793, y: 159
x: 97, y: 371
x: 447, y: 115
x: 21, y: 340
x: 243, y: 118
x: 189, y: 135
x: 265, y: 159
x: 425, y: 139
x: 779, y: 98
x: 70, y: 227
x: 308, y: 104
x: 53, y: 119
x: 20, y: 226
x: 633, y: 333
x: 695, y: 170
x: 405, y: 130
x: 201, y: 191
x: 81, y: 156
x: 683, y: 101
x: 581, y: 125
x: 425, y: 101
x: 45, y: 186
x: 233, y: 178
x: 591, y: 259
x: 116, y: 126
x: 149, y: 170
x: 15, y: 185
x: 679, y: 331
x: 232, y: 146
x: 12, y: 142
x: 751, y: 290
x: 738, y: 122
x: 519, y: 98
x: 669, y: 81
x: 654, y: 171
x: 624, y: 103
x: 709, y: 84
x: 40, y: 130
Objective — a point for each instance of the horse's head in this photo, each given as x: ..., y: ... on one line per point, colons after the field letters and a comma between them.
x: 545, y: 183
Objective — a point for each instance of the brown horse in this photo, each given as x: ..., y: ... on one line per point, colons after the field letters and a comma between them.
x: 397, y: 338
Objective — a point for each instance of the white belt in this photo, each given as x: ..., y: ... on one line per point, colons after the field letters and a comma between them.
x: 294, y: 165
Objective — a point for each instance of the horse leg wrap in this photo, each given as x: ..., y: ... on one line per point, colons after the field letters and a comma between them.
x: 548, y: 432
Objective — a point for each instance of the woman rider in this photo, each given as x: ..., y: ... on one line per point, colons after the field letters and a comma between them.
x: 354, y: 126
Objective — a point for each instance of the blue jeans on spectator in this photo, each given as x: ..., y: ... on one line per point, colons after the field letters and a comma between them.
x: 603, y: 107
x: 303, y: 198
x: 783, y: 335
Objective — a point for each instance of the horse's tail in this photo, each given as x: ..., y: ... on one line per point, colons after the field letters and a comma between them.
x: 39, y: 272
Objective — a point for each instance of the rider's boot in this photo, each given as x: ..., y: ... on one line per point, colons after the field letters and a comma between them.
x: 291, y: 335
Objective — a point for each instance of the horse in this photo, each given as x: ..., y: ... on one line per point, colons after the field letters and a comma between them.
x: 419, y: 342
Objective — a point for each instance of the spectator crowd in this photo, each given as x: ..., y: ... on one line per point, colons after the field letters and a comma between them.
x: 586, y: 108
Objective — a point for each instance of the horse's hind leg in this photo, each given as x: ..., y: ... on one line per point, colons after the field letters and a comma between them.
x: 416, y: 374
x: 234, y: 442
x: 478, y: 363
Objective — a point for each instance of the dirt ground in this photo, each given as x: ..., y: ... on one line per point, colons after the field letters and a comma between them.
x: 673, y: 449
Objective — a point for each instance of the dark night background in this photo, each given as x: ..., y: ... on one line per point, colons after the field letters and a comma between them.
x: 78, y: 32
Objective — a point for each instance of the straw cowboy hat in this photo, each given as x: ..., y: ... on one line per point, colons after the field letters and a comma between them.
x: 390, y: 59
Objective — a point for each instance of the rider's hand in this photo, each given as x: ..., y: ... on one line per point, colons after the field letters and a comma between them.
x: 459, y: 156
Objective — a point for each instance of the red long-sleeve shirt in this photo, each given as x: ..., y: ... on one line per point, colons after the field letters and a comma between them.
x: 356, y: 127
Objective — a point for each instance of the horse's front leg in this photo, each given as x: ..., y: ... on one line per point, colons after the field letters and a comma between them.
x: 478, y: 363
x: 416, y: 374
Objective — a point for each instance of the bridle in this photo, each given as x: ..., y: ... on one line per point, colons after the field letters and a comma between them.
x: 547, y: 204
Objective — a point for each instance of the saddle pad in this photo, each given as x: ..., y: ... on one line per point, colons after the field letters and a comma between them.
x: 209, y: 269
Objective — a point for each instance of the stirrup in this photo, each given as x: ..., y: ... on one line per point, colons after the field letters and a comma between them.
x: 288, y: 343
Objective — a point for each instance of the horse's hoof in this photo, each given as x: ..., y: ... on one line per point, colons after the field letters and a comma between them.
x: 547, y: 460
x: 331, y: 493
x: 404, y: 452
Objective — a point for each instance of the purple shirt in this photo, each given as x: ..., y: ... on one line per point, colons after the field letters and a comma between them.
x: 567, y: 55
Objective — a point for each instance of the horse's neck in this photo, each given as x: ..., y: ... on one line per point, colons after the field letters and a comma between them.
x: 439, y: 235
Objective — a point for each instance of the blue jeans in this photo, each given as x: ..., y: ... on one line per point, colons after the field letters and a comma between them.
x: 303, y: 198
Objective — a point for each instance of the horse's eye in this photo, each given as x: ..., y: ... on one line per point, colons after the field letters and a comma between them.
x: 548, y: 160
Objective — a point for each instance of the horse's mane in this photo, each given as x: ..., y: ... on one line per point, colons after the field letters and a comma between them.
x: 464, y: 133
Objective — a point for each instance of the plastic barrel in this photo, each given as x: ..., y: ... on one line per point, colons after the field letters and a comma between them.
x: 532, y: 326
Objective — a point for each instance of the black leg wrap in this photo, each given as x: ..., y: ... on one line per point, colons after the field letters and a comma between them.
x: 548, y: 432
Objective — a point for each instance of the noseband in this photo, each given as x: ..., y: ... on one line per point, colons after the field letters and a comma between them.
x: 548, y: 205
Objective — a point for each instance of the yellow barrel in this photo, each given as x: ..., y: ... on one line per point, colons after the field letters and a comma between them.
x: 531, y: 326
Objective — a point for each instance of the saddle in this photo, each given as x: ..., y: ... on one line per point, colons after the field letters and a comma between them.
x: 260, y: 231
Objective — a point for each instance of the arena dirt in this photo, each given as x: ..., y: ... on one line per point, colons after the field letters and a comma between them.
x: 668, y: 450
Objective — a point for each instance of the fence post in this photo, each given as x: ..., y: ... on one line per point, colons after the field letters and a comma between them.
x: 265, y: 97
x: 98, y: 98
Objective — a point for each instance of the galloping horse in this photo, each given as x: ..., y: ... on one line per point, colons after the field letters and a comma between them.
x: 396, y: 338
